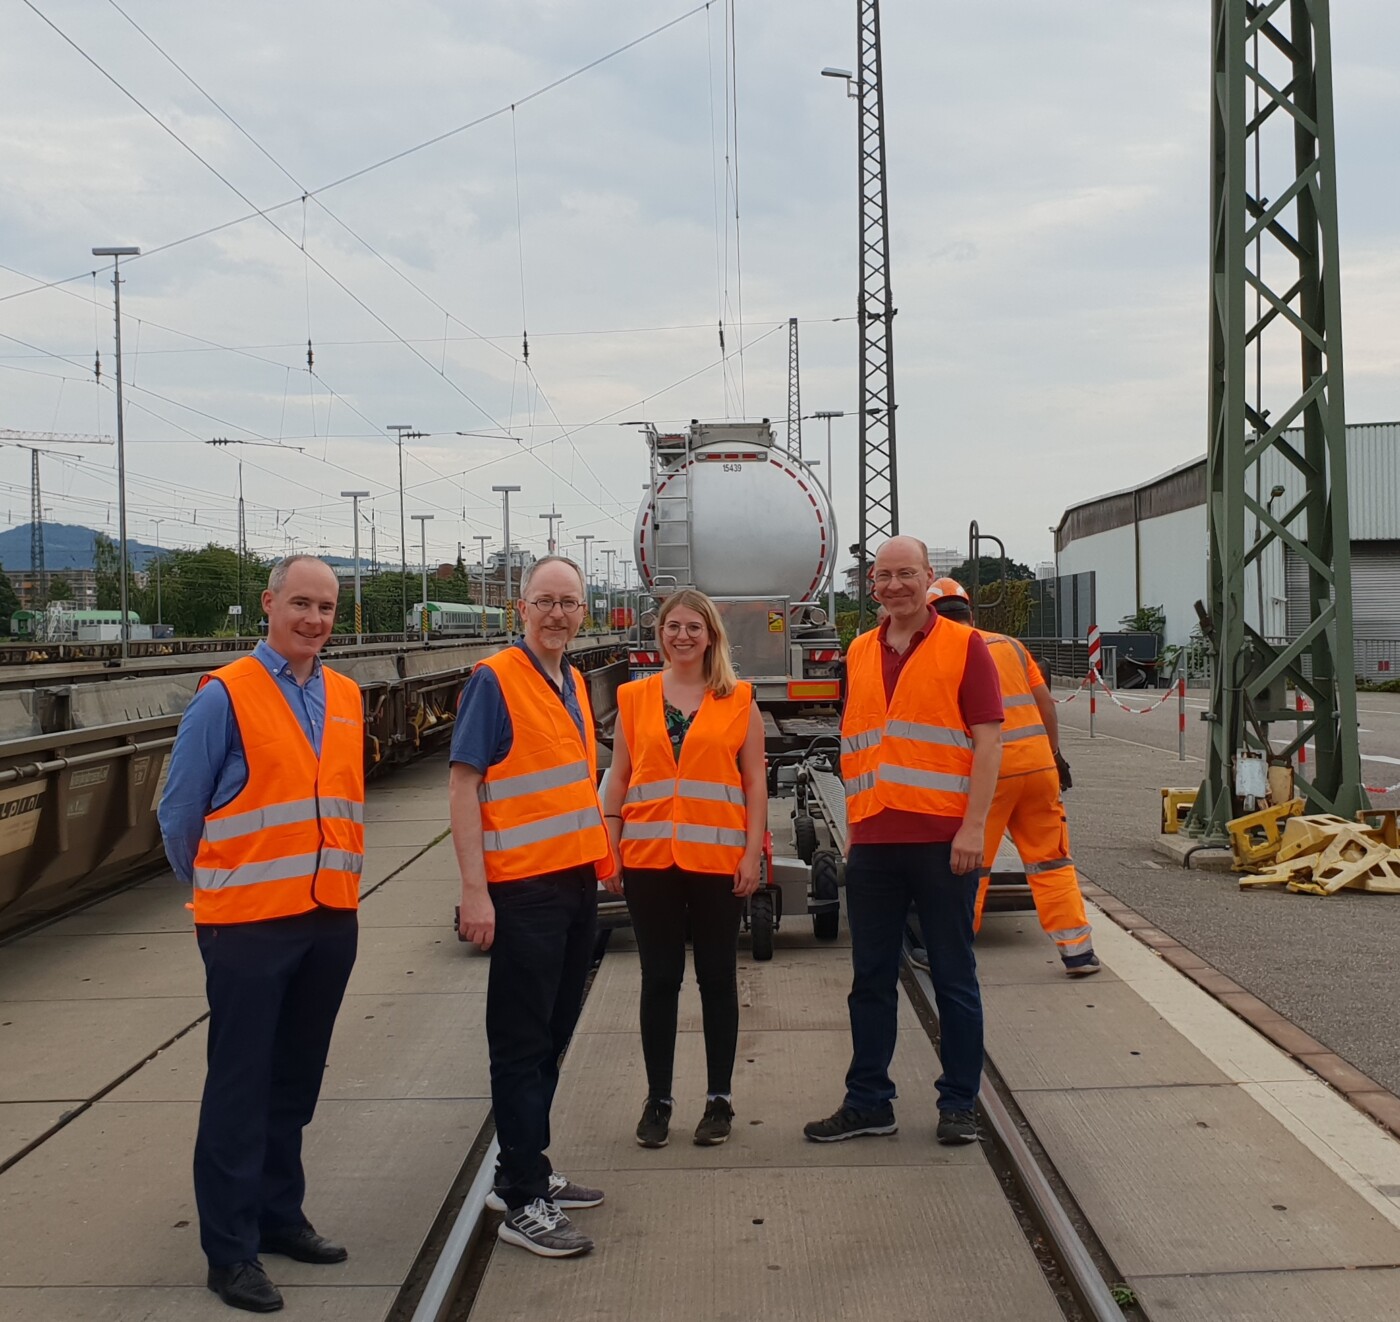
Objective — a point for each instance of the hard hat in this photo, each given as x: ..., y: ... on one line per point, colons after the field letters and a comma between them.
x: 947, y: 587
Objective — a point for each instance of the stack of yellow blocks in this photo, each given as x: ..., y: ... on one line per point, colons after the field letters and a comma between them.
x: 1318, y: 854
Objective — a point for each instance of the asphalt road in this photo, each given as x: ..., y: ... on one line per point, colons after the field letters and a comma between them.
x: 1328, y: 964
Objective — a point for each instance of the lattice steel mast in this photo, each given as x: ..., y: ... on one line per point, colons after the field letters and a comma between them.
x: 36, y: 536
x: 794, y: 414
x: 1294, y: 221
x: 879, y: 493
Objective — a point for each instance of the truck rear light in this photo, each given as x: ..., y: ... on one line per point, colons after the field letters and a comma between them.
x: 821, y: 654
x: 813, y: 690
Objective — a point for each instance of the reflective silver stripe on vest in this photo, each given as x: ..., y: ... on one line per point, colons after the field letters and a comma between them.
x: 259, y: 819
x: 534, y: 833
x: 924, y: 780
x: 684, y: 831
x: 1055, y: 863
x: 279, y: 869
x: 856, y: 742
x: 1019, y: 700
x: 1071, y: 936
x: 532, y: 782
x: 1025, y: 732
x: 343, y: 810
x: 710, y: 791
x: 864, y: 781
x: 710, y: 835
x: 928, y: 734
x: 651, y: 791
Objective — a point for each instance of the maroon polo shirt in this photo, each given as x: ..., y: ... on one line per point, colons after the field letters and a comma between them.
x: 979, y: 700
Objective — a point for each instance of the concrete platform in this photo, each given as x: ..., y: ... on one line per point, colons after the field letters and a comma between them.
x: 102, y: 1022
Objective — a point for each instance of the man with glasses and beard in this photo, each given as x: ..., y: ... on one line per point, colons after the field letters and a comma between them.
x: 531, y: 845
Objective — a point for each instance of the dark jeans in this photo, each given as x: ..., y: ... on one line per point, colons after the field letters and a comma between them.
x: 545, y: 928
x: 274, y: 990
x: 881, y: 882
x: 662, y: 904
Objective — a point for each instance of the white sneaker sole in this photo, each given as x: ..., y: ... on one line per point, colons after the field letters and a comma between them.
x: 877, y: 1130
x: 509, y: 1236
x: 641, y: 1143
x: 496, y: 1203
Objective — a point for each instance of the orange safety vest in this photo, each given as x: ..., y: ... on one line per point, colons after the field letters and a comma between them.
x: 1025, y: 745
x: 691, y: 815
x: 916, y: 753
x: 293, y: 839
x: 539, y: 805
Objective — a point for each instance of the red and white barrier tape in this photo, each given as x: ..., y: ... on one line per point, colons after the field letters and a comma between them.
x: 1094, y: 678
x: 1382, y: 789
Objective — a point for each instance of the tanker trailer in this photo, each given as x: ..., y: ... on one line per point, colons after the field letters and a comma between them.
x: 729, y: 512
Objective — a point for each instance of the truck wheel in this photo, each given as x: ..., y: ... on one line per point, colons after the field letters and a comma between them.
x: 761, y: 925
x: 826, y: 872
x: 804, y: 836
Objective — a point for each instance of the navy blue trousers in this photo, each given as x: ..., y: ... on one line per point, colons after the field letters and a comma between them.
x: 274, y: 989
x: 545, y: 930
x: 881, y: 882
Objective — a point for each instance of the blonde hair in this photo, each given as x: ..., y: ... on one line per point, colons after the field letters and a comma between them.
x: 717, y: 668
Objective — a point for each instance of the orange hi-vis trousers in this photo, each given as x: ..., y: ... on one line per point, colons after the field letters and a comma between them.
x: 1030, y: 809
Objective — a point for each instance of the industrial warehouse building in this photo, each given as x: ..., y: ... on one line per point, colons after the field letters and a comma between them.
x: 1147, y: 546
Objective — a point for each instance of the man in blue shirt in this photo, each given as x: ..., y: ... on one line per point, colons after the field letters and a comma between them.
x: 276, y: 968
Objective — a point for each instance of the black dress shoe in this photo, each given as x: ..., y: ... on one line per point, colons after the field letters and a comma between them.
x: 245, y: 1285
x: 303, y: 1244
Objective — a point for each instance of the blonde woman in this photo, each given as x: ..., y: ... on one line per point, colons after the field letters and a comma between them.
x: 687, y: 807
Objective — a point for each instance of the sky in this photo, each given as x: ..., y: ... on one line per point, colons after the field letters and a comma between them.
x: 1048, y: 181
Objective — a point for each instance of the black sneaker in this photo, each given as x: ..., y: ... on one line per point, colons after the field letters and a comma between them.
x: 847, y: 1122
x: 543, y: 1229
x: 955, y: 1127
x: 714, y: 1128
x: 654, y: 1128
x: 1082, y: 965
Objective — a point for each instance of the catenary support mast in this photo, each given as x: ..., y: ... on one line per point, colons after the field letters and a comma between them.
x: 879, y: 493
x: 1282, y: 48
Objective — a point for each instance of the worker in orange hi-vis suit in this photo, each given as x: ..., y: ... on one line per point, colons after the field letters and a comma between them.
x: 1028, y: 805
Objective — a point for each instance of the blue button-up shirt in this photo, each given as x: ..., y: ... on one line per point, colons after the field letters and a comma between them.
x: 207, y: 765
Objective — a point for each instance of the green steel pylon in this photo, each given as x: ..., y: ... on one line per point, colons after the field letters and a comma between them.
x: 1277, y: 242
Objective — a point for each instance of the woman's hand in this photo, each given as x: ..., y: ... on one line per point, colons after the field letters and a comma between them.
x: 747, y: 874
x: 613, y: 884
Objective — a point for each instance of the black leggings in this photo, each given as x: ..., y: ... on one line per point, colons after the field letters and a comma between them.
x: 662, y: 904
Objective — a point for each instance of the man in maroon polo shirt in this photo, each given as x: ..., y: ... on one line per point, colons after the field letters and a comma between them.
x: 928, y: 858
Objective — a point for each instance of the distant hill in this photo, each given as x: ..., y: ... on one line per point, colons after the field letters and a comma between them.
x: 66, y: 546
x: 71, y: 546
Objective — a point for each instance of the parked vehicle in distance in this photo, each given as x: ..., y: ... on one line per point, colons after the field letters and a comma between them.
x: 449, y: 619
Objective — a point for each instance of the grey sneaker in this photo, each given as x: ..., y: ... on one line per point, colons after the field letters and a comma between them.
x: 542, y: 1228
x: 1083, y: 966
x: 714, y: 1128
x: 563, y: 1192
x: 847, y: 1122
x: 654, y: 1128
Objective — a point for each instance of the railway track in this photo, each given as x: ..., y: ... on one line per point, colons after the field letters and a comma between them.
x: 1078, y: 1269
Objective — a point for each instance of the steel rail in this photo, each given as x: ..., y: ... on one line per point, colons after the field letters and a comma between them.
x: 1081, y: 1272
x: 440, y: 1292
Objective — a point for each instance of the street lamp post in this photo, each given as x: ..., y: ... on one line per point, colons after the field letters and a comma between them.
x: 609, y: 553
x: 828, y: 414
x: 585, y: 538
x: 116, y: 254
x: 423, y: 536
x: 505, y: 528
x: 356, y: 497
x: 483, y: 539
x: 158, y: 522
x: 402, y: 429
x: 553, y: 519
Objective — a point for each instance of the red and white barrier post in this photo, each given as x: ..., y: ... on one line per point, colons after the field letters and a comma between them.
x: 1181, y: 716
x: 1302, y: 705
x: 1095, y: 660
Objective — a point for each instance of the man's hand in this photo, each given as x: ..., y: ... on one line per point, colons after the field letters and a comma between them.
x: 1066, y: 783
x: 612, y: 884
x: 967, y: 849
x: 476, y: 919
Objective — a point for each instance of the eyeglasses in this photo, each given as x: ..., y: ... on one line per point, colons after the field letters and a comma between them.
x: 903, y: 575
x: 674, y: 629
x: 569, y: 605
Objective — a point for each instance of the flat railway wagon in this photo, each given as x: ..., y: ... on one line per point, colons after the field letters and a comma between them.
x: 83, y: 764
